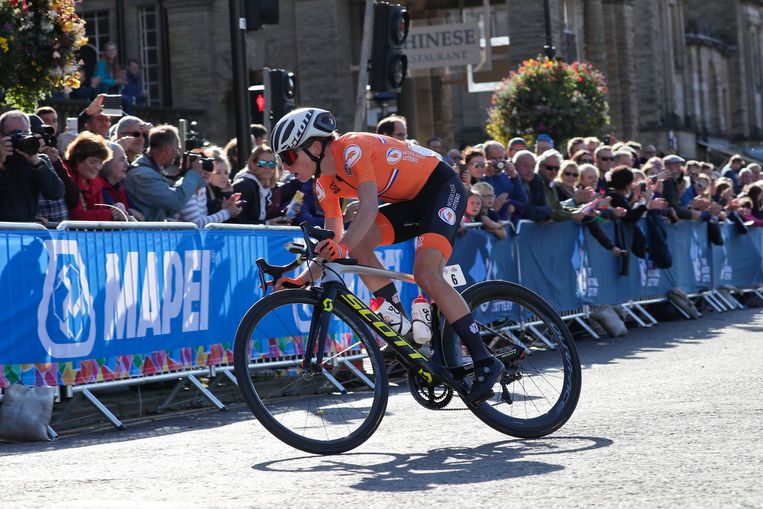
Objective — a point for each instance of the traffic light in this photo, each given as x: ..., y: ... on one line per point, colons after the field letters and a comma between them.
x: 257, y: 104
x: 281, y: 86
x: 260, y: 12
x: 388, y: 63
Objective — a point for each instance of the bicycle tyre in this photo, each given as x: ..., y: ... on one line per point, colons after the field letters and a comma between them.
x: 538, y: 368
x: 265, y: 400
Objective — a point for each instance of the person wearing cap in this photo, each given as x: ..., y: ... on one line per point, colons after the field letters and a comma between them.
x: 542, y: 143
x: 515, y: 145
x: 670, y: 187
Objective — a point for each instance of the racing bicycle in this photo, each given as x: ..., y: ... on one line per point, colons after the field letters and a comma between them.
x: 310, y: 366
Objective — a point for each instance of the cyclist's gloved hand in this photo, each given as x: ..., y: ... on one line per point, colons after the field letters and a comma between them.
x: 330, y: 250
x: 288, y: 282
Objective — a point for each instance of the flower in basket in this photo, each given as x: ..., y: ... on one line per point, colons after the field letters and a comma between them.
x: 549, y: 96
x: 39, y: 43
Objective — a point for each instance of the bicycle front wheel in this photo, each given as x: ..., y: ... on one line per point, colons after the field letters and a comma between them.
x: 322, y: 411
x: 541, y: 386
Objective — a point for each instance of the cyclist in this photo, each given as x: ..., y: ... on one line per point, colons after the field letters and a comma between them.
x: 422, y: 197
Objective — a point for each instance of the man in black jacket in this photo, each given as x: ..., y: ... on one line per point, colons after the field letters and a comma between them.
x: 23, y: 176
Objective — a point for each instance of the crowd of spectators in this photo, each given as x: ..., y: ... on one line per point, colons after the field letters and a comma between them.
x: 129, y: 170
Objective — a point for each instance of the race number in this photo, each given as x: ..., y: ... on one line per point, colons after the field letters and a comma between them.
x: 454, y: 275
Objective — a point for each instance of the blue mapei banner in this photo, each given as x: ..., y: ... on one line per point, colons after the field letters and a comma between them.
x: 74, y: 294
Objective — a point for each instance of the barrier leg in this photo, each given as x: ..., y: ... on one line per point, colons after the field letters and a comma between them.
x: 334, y: 381
x: 172, y: 395
x: 645, y: 313
x: 543, y: 338
x: 102, y: 408
x: 729, y: 300
x: 635, y: 317
x: 713, y: 303
x: 231, y: 377
x: 588, y: 329
x: 52, y: 434
x: 683, y: 313
x: 358, y: 373
x: 206, y: 392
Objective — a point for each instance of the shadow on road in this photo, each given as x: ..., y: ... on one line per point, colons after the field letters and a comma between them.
x: 384, y: 471
x: 667, y: 335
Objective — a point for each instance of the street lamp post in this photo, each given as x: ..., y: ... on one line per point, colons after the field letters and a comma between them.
x: 549, y: 47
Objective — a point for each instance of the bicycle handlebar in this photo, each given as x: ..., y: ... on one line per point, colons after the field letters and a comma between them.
x: 305, y: 253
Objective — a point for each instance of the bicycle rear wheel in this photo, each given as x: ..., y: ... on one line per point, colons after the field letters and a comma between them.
x: 325, y: 412
x: 541, y: 386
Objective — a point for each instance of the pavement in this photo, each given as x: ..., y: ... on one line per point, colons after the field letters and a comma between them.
x: 669, y: 416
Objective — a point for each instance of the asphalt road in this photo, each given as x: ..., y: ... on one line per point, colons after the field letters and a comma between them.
x: 669, y: 416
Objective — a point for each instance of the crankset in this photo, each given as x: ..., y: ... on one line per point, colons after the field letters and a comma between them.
x: 433, y: 397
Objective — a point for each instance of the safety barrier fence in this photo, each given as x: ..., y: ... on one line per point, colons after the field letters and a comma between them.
x: 92, y: 305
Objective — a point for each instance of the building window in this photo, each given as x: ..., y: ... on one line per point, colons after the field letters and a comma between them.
x: 97, y: 29
x: 148, y: 20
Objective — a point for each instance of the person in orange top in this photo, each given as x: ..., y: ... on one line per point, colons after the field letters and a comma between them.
x: 422, y: 197
x: 84, y: 160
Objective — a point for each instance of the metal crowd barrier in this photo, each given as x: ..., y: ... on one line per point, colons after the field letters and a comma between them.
x: 634, y: 308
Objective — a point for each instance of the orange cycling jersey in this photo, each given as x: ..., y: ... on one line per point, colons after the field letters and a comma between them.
x: 399, y: 170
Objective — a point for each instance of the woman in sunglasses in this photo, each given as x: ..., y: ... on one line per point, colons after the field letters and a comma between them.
x: 257, y: 185
x: 422, y: 197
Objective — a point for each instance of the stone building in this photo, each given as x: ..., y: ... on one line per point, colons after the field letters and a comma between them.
x: 683, y: 74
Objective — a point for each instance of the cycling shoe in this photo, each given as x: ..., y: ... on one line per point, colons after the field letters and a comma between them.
x: 486, y: 374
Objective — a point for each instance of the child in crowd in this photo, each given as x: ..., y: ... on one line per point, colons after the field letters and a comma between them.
x: 487, y: 216
x: 472, y: 212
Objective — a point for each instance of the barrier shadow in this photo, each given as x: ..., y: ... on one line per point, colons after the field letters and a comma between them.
x: 396, y: 472
x: 665, y: 335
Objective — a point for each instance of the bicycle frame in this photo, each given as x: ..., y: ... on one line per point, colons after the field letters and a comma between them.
x: 332, y: 287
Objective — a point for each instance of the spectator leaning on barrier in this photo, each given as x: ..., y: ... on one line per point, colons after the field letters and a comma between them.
x: 604, y: 161
x: 84, y: 159
x: 146, y: 185
x: 488, y: 216
x: 395, y: 126
x: 112, y: 178
x: 670, y: 187
x: 510, y: 194
x: 256, y: 185
x: 547, y: 166
x: 24, y: 174
x: 536, y: 209
x: 196, y: 211
x: 219, y: 186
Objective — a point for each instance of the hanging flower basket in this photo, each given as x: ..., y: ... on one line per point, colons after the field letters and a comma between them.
x: 552, y: 97
x: 39, y: 43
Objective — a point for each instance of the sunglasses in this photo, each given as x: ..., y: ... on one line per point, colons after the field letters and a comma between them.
x: 289, y: 156
x: 586, y: 161
x: 605, y: 158
x: 134, y: 134
x: 479, y: 165
x: 551, y: 168
x: 270, y: 164
x: 571, y: 174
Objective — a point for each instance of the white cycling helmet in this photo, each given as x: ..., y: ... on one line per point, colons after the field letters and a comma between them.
x: 298, y: 126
